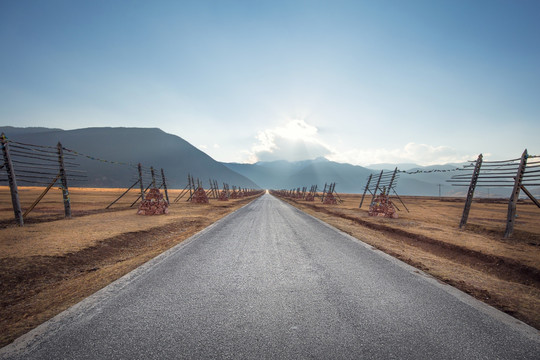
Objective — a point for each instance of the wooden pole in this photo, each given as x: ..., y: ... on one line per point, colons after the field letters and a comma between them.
x: 376, y: 187
x: 139, y: 167
x: 181, y: 195
x: 192, y: 188
x: 153, y: 177
x: 63, y: 180
x: 365, y: 190
x: 164, y: 185
x: 533, y: 199
x: 125, y: 192
x: 191, y: 185
x: 405, y: 206
x: 391, y: 182
x: 515, y: 195
x: 212, y: 189
x: 12, y: 181
x: 144, y: 191
x: 470, y: 193
x: 41, y: 196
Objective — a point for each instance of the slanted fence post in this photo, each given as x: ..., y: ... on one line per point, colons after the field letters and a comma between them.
x: 376, y: 188
x: 12, y: 181
x: 365, y: 190
x: 324, y: 192
x: 470, y: 193
x: 515, y: 195
x: 63, y: 180
x: 164, y: 185
x: 139, y: 167
x: 391, y: 182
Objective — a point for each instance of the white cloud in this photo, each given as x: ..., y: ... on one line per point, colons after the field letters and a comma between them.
x: 421, y: 154
x: 296, y: 140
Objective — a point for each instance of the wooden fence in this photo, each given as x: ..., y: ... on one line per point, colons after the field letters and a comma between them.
x: 39, y: 165
x: 518, y: 173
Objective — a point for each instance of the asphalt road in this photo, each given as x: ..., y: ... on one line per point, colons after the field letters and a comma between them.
x: 269, y: 281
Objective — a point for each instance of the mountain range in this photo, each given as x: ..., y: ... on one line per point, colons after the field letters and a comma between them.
x: 348, y: 178
x: 153, y: 147
x: 148, y: 146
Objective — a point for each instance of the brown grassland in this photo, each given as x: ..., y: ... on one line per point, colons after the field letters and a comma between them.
x: 52, y: 263
x: 504, y: 273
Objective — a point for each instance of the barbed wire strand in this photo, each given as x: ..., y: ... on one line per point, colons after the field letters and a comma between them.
x: 98, y: 159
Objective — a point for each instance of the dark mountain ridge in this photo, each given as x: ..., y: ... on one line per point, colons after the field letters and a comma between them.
x: 148, y: 146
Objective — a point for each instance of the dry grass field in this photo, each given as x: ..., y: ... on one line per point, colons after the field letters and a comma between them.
x: 502, y: 272
x: 52, y: 263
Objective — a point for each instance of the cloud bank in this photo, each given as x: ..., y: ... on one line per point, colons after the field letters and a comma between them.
x: 297, y: 140
x: 421, y: 154
x: 294, y: 141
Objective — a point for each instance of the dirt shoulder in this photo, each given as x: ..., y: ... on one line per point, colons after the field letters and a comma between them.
x: 48, y: 266
x: 504, y: 273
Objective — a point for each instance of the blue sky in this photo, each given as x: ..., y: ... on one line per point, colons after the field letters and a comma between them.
x: 354, y: 81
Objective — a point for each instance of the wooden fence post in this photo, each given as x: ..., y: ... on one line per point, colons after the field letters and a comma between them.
x: 470, y: 193
x: 515, y: 195
x: 165, y: 185
x: 63, y: 180
x: 12, y: 181
x: 376, y: 187
x: 140, y: 182
x: 365, y: 190
x: 391, y: 182
x: 153, y: 177
x: 324, y: 192
x: 212, y: 189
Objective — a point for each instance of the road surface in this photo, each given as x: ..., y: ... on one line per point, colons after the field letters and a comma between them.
x: 269, y: 281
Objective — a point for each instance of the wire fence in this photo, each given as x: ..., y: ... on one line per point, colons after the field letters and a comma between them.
x: 45, y: 166
x: 500, y: 173
x: 520, y: 174
x: 383, y: 184
x: 39, y: 165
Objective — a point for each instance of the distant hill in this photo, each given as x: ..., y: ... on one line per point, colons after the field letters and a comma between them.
x: 16, y: 131
x: 288, y: 175
x: 151, y: 147
x: 352, y: 179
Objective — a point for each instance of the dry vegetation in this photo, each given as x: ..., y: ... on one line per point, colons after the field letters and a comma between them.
x: 52, y: 263
x: 502, y: 272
